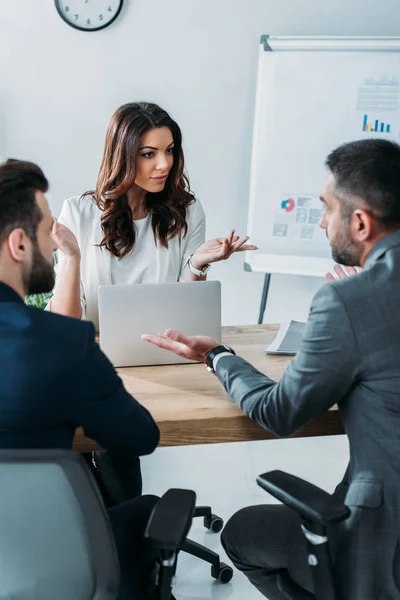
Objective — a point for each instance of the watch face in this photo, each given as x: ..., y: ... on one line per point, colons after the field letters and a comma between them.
x: 89, y: 15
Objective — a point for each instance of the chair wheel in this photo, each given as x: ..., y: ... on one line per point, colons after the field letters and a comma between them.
x: 213, y: 523
x: 223, y: 573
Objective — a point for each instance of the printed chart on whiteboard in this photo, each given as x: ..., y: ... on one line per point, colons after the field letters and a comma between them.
x: 378, y: 106
x: 297, y: 216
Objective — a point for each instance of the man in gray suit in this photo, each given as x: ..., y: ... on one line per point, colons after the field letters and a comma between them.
x: 349, y: 355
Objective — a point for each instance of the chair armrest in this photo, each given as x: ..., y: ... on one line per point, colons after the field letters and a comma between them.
x: 170, y: 521
x: 312, y: 503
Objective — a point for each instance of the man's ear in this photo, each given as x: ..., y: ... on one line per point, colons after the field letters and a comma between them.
x: 362, y: 225
x: 18, y: 244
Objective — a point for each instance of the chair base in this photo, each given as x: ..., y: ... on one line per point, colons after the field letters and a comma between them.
x: 219, y: 570
x: 212, y: 522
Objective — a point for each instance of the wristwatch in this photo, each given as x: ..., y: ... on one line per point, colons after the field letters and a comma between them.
x: 213, y: 353
x: 199, y: 272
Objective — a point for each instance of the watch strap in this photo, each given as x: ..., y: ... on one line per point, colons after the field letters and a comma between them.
x: 199, y: 272
x: 214, y: 352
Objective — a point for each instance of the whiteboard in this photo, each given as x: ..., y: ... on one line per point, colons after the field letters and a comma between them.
x: 313, y: 94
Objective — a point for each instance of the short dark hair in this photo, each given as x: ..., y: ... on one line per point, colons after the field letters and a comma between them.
x: 368, y: 171
x: 19, y: 181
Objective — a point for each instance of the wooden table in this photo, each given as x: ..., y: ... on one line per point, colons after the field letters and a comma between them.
x: 190, y: 406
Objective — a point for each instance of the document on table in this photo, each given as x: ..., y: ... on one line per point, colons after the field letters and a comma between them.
x: 288, y: 339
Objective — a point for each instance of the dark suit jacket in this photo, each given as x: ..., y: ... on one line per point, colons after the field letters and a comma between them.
x: 54, y: 377
x: 350, y: 355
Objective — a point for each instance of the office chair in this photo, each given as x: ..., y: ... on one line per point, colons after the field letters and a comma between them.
x: 55, y: 537
x: 101, y: 463
x: 106, y: 470
x: 316, y: 509
x: 167, y: 529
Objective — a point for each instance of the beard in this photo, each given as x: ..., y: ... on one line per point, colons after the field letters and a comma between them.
x: 344, y: 251
x: 41, y: 279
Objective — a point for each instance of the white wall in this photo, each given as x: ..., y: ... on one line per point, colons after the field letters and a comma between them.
x: 197, y: 58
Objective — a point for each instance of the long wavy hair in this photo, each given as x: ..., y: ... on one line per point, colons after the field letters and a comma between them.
x: 117, y: 175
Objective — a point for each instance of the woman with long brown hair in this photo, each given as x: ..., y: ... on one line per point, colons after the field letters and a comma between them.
x: 142, y: 223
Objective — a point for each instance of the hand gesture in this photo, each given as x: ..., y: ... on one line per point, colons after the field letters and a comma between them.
x: 343, y: 272
x: 220, y: 249
x: 195, y: 347
x: 65, y: 240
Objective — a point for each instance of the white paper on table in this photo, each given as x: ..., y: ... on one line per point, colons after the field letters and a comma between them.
x: 288, y: 339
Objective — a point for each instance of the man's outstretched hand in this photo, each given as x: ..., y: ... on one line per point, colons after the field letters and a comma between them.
x: 195, y: 347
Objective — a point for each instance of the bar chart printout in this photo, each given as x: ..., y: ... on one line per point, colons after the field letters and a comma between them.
x: 375, y: 125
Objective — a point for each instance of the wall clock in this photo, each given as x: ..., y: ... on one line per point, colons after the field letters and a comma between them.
x: 89, y: 15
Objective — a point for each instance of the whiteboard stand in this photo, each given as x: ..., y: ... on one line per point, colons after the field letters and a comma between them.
x: 264, y: 294
x: 264, y: 297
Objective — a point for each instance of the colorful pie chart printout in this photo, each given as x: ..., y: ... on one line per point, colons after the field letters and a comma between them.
x: 288, y: 204
x: 297, y: 217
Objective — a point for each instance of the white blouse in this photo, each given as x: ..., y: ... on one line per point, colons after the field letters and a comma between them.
x: 147, y: 263
x: 140, y: 266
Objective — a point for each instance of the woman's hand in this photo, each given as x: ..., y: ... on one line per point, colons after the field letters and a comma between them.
x: 66, y: 300
x: 65, y: 240
x: 342, y: 273
x: 220, y: 249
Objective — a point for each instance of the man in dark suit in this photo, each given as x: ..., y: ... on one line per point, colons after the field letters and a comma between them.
x: 349, y: 355
x: 53, y: 375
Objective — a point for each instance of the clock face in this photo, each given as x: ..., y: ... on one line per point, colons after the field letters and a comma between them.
x: 89, y: 15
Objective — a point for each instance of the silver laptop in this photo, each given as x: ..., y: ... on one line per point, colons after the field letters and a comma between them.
x: 128, y: 311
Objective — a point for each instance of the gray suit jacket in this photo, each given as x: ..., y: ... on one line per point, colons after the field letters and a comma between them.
x: 350, y: 355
